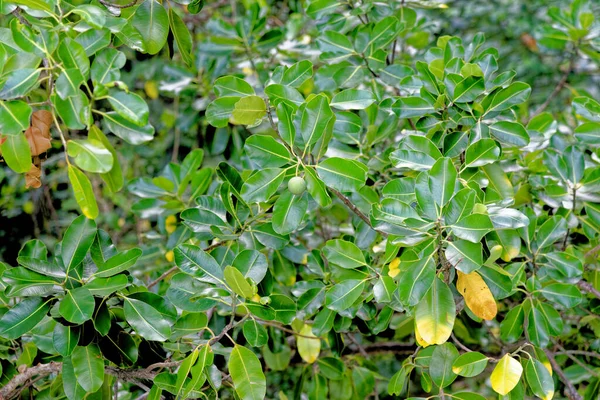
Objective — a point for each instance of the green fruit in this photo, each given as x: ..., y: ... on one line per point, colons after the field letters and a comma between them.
x: 297, y: 185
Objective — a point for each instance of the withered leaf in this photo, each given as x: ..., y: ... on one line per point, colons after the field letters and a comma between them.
x: 38, y: 134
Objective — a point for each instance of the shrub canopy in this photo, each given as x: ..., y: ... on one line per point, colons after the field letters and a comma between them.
x: 319, y: 199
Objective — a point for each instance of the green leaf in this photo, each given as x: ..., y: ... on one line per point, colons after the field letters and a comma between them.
x: 288, y: 212
x: 246, y: 373
x: 68, y: 83
x: 23, y: 317
x: 416, y: 278
x: 442, y: 179
x: 237, y: 282
x: 118, y: 263
x: 342, y: 295
x: 65, y: 339
x: 440, y: 367
x: 588, y: 133
x: 503, y: 99
x: 77, y: 241
x: 470, y: 364
x: 261, y: 185
x: 130, y: 106
x: 314, y: 120
x: 14, y: 117
x: 343, y: 254
x: 539, y: 379
x: 473, y: 227
x: 564, y: 294
x: 90, y: 155
x: 352, y: 99
x: 255, y: 333
x: 196, y: 262
x: 16, y: 153
x: 398, y: 381
x: 18, y: 83
x: 469, y: 89
x: 77, y: 305
x: 107, y: 65
x: 464, y: 255
x: 297, y: 74
x: 152, y: 21
x: 232, y: 86
x: 266, y: 152
x: 107, y: 286
x: 128, y: 131
x: 249, y: 110
x: 482, y: 152
x: 342, y: 174
x: 84, y: 193
x: 88, y: 364
x: 410, y: 107
x: 553, y: 229
x: 435, y: 314
x: 511, y: 133
x: 147, y: 321
x: 114, y: 177
x: 182, y: 37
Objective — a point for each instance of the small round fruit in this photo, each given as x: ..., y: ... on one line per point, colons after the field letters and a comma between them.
x: 297, y: 185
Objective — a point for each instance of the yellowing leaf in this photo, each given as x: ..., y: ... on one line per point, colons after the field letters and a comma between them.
x: 308, y: 349
x: 419, y: 339
x: 506, y: 375
x: 435, y: 313
x: 477, y: 294
x: 171, y: 224
x: 394, y: 267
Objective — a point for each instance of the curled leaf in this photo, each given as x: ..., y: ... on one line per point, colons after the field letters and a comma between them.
x: 38, y: 134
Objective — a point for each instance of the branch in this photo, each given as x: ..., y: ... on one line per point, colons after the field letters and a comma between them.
x: 9, y: 390
x: 559, y: 86
x: 355, y: 210
x: 570, y: 392
x: 129, y: 375
x: 589, y: 288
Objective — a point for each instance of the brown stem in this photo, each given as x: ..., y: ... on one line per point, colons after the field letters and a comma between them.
x: 570, y: 392
x: 559, y: 86
x: 589, y: 288
x: 355, y: 210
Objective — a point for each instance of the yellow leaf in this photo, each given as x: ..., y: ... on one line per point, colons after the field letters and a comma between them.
x: 394, y: 267
x: 308, y: 349
x: 419, y: 339
x: 435, y: 313
x: 171, y: 224
x: 151, y: 89
x: 506, y: 375
x: 477, y: 294
x: 169, y: 256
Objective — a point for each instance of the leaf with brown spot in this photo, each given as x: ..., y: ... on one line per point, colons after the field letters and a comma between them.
x: 477, y: 294
x: 38, y: 134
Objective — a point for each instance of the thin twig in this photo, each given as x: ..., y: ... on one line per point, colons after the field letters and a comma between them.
x: 589, y: 288
x: 559, y: 86
x: 570, y: 392
x: 355, y: 210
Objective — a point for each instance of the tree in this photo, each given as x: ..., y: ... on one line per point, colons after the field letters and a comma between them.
x: 288, y: 199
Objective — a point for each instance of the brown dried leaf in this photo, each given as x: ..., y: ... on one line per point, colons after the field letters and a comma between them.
x: 38, y: 134
x: 33, y: 177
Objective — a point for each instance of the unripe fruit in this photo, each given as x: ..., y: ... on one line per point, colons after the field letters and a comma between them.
x: 297, y: 185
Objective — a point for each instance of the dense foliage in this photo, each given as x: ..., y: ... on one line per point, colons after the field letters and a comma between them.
x: 299, y: 199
